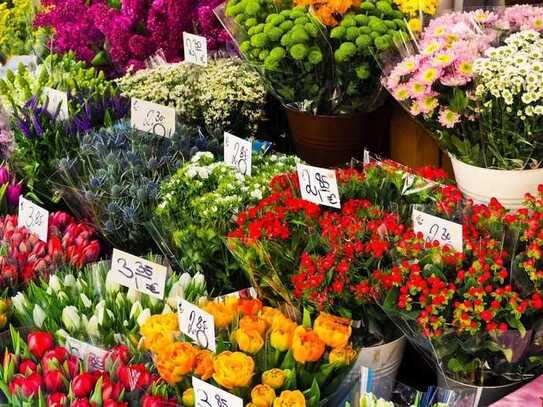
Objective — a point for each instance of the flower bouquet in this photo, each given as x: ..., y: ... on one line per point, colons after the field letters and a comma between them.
x: 224, y: 96
x: 25, y: 258
x: 262, y: 356
x: 197, y: 207
x: 113, y: 178
x: 94, y: 309
x: 471, y: 79
x: 38, y: 372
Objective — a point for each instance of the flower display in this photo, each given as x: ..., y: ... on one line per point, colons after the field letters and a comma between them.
x: 197, y: 206
x: 26, y: 258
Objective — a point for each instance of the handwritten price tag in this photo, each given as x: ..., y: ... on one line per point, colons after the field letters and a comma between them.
x: 93, y: 356
x: 195, y: 48
x: 34, y: 218
x: 197, y: 324
x: 152, y: 118
x: 57, y: 99
x: 434, y: 228
x: 245, y: 293
x: 318, y: 185
x: 137, y: 273
x: 239, y: 153
x: 207, y: 395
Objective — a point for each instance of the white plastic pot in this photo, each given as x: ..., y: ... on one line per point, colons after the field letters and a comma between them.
x: 508, y: 187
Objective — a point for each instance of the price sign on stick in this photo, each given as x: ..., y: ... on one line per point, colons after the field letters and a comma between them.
x: 238, y: 153
x: 152, y: 118
x: 137, y: 273
x: 197, y: 324
x: 34, y: 218
x: 437, y: 229
x: 195, y: 48
x: 318, y: 185
x: 207, y: 395
x: 57, y: 99
x: 93, y: 356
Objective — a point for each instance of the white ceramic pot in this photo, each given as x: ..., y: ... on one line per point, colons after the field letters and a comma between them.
x: 508, y: 187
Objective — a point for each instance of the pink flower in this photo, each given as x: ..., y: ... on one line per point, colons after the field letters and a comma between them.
x: 448, y: 118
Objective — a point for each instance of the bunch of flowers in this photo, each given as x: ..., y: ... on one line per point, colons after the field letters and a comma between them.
x: 26, y: 258
x: 413, y: 9
x: 10, y: 190
x: 480, y: 102
x: 63, y: 73
x: 120, y: 36
x: 306, y: 62
x: 197, y: 208
x: 114, y: 176
x: 262, y: 356
x: 224, y: 96
x: 96, y: 310
x: 38, y: 372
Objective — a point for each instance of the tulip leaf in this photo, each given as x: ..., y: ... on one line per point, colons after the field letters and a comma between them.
x: 97, y: 395
x: 307, y: 319
x: 288, y: 362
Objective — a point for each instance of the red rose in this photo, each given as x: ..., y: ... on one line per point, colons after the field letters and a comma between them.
x: 27, y: 367
x: 71, y: 366
x: 53, y: 381
x: 57, y: 400
x: 39, y: 343
x: 83, y: 384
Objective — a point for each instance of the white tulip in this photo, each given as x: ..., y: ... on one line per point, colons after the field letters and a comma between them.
x: 199, y: 280
x: 69, y: 280
x: 38, y: 315
x: 144, y: 316
x: 133, y: 295
x: 92, y: 327
x: 54, y: 283
x: 71, y: 318
x: 62, y: 296
x: 184, y: 281
x: 19, y: 302
x: 111, y: 286
x: 136, y: 310
x: 85, y: 300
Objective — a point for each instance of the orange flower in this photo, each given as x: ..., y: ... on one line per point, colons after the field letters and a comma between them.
x: 175, y: 362
x: 306, y: 345
x: 281, y: 337
x: 203, y: 364
x: 223, y: 313
x: 248, y: 340
x: 262, y: 395
x: 275, y: 378
x: 290, y: 398
x: 329, y: 11
x: 269, y: 314
x: 342, y: 356
x: 334, y: 331
x: 249, y: 306
x: 253, y: 323
x: 233, y: 370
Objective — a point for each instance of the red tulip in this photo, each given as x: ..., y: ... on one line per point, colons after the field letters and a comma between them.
x: 53, y: 381
x: 71, y: 366
x: 134, y: 377
x: 39, y: 343
x: 57, y: 400
x: 27, y: 367
x: 31, y: 385
x: 83, y: 384
x: 54, y: 358
x: 16, y: 383
x: 113, y: 403
x: 81, y: 403
x: 111, y: 391
x: 156, y: 401
x: 92, y: 251
x: 120, y: 352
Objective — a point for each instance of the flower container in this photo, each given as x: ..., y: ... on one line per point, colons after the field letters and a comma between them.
x: 508, y: 186
x: 477, y: 395
x: 384, y: 361
x: 331, y: 141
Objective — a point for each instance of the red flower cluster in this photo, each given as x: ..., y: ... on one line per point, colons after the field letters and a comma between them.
x: 25, y: 257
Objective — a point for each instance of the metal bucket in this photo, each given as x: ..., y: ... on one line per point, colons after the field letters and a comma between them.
x: 474, y: 396
x: 383, y: 360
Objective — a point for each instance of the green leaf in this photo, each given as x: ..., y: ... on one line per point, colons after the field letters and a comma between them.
x: 515, y: 323
x: 288, y: 362
x: 307, y: 319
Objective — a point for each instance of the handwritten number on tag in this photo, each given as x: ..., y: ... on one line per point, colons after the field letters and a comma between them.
x: 318, y: 185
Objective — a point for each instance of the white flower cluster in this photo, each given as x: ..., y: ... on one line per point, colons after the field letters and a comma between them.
x: 513, y: 74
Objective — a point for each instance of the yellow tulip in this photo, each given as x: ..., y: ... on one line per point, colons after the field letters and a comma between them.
x: 262, y: 395
x: 333, y: 331
x: 275, y: 378
x: 249, y: 341
x: 233, y: 370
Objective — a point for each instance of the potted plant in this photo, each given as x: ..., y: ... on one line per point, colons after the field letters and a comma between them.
x: 472, y: 82
x: 318, y: 59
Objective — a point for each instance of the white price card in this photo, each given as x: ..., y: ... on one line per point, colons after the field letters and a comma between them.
x: 319, y: 185
x: 57, y: 99
x: 438, y: 229
x: 93, y: 356
x: 195, y: 48
x: 207, y: 395
x: 34, y: 218
x: 246, y: 293
x: 238, y: 153
x: 139, y: 274
x: 152, y: 118
x: 197, y: 324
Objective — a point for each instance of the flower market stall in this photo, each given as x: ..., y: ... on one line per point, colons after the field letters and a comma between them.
x: 198, y: 206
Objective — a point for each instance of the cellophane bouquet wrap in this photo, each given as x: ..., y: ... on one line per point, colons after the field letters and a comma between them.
x: 315, y: 56
x: 472, y: 79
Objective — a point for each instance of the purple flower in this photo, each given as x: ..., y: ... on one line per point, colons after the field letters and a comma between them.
x: 4, y: 175
x: 13, y: 193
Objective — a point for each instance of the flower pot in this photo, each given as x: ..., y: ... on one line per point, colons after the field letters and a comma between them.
x: 508, y: 186
x: 331, y: 141
x: 383, y: 360
x: 473, y: 396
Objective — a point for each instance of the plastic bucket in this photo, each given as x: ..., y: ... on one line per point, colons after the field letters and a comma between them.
x: 384, y: 361
x: 508, y: 187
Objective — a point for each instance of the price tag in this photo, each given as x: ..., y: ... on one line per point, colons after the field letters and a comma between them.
x: 152, y: 118
x: 318, y: 185
x: 34, y: 218
x: 195, y: 48
x: 137, y: 273
x: 434, y: 228
x: 207, y: 395
x: 239, y: 153
x: 366, y: 159
x: 197, y: 324
x: 56, y: 98
x: 249, y: 293
x: 93, y: 356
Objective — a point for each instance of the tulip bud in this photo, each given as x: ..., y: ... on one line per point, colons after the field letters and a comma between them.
x: 85, y: 300
x: 143, y: 317
x: 136, y: 310
x: 71, y: 318
x: 13, y: 193
x: 133, y: 295
x: 92, y: 327
x: 4, y: 175
x: 38, y: 315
